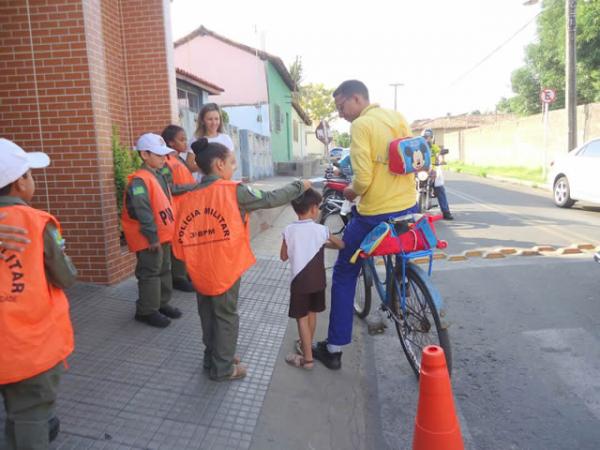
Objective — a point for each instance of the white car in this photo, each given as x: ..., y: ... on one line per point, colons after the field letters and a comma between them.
x: 574, y: 176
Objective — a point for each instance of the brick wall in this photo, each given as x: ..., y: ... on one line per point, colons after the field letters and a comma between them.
x: 70, y: 71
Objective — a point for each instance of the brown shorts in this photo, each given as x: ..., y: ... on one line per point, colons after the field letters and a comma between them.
x: 302, y: 304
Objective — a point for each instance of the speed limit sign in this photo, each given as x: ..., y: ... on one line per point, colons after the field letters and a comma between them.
x: 548, y: 96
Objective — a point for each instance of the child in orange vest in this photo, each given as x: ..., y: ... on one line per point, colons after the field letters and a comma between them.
x: 147, y: 220
x: 212, y: 236
x: 181, y: 180
x: 36, y: 335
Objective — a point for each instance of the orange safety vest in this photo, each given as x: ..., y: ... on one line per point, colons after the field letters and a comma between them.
x: 181, y: 173
x: 161, y: 207
x: 211, y: 237
x: 35, y: 327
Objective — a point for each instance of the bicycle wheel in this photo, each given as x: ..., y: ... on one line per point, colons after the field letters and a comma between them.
x: 419, y: 324
x: 334, y: 221
x: 362, y: 297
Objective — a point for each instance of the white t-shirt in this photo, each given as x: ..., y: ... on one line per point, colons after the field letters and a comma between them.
x: 220, y: 138
x: 304, y: 239
x: 224, y: 139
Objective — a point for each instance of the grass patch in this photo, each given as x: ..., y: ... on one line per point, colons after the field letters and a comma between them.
x: 520, y: 173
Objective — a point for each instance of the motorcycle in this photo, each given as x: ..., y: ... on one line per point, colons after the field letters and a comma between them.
x: 335, y: 209
x: 425, y: 181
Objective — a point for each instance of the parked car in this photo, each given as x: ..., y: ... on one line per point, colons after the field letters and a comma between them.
x: 574, y: 176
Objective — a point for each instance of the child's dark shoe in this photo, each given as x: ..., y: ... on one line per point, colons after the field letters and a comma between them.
x: 155, y: 319
x: 170, y: 311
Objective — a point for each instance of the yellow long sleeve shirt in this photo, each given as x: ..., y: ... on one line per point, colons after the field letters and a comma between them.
x: 381, y: 191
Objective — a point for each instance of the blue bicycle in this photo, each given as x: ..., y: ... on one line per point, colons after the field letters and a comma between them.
x: 408, y: 297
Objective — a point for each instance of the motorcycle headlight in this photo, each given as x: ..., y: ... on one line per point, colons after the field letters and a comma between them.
x: 422, y: 176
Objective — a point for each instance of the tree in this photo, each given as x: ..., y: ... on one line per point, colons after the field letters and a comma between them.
x: 314, y: 98
x: 297, y: 71
x: 317, y: 101
x: 341, y: 139
x: 545, y: 60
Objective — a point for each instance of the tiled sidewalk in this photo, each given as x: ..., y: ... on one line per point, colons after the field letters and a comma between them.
x: 131, y: 386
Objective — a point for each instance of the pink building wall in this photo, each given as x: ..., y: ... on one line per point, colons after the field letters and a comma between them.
x: 240, y: 73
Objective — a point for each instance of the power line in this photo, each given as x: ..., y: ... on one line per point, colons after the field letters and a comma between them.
x: 493, y: 52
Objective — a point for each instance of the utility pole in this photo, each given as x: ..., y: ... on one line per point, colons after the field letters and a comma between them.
x: 570, y: 72
x: 570, y: 69
x: 395, y: 86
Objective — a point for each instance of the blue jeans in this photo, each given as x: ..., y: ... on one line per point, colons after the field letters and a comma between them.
x: 440, y: 193
x: 345, y: 274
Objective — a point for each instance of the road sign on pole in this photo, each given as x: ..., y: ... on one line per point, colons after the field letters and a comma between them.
x: 323, y: 132
x: 548, y: 96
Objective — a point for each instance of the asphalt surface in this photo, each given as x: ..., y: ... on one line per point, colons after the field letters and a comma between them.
x: 525, y: 331
x: 492, y: 214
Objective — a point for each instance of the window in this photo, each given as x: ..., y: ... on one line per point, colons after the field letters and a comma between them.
x: 295, y: 131
x: 182, y: 100
x: 277, y: 114
x: 188, y: 99
x: 592, y: 150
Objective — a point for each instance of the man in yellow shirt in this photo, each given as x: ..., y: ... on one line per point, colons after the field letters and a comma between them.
x: 383, y: 195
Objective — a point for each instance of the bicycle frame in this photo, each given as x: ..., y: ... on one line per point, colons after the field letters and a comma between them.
x: 383, y: 287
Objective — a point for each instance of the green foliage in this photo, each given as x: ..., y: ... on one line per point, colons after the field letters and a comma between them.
x: 314, y: 98
x: 297, y: 73
x: 125, y: 162
x: 545, y: 60
x: 341, y: 139
x: 516, y: 172
x: 317, y: 101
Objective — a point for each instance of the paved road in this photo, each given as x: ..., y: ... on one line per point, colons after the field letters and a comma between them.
x: 496, y: 214
x: 525, y: 330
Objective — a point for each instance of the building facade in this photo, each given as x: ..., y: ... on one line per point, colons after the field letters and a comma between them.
x: 72, y: 72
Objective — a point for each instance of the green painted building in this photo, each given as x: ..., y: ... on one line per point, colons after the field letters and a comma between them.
x: 280, y: 109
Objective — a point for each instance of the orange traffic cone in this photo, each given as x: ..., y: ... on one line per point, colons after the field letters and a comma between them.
x: 436, y: 425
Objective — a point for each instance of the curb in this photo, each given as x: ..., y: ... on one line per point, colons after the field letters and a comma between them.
x: 501, y: 253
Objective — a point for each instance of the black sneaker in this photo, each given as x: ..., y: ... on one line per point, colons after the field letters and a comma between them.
x: 332, y: 361
x: 448, y: 216
x: 53, y: 428
x: 183, y: 285
x: 170, y: 311
x: 155, y: 319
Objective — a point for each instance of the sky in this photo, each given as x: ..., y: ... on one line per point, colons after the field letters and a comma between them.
x: 428, y: 45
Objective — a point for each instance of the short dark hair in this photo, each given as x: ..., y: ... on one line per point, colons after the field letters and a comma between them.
x: 170, y: 133
x: 5, y: 191
x: 351, y: 87
x: 206, y: 152
x: 303, y: 203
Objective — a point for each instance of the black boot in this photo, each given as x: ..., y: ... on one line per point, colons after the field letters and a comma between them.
x: 332, y: 361
x: 155, y: 319
x: 170, y: 311
x: 448, y: 215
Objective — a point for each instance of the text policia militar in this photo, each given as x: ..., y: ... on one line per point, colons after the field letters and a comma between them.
x: 16, y: 268
x: 195, y: 234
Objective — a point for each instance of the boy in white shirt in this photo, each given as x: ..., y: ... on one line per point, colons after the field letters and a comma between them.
x: 303, y: 244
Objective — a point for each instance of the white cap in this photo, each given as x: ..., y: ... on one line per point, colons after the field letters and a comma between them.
x: 152, y: 143
x: 15, y: 162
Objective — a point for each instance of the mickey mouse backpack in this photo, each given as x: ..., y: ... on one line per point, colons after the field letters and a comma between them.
x: 409, y: 155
